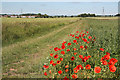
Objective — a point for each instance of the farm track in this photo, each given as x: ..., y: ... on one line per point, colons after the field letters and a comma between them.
x: 17, y: 68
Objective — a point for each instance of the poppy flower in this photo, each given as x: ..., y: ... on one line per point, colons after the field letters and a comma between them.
x: 63, y: 46
x: 102, y: 59
x: 75, y: 53
x: 60, y: 72
x: 61, y: 59
x: 85, y: 47
x: 74, y: 41
x: 87, y: 66
x: 78, y: 67
x: 101, y: 49
x: 58, y: 62
x: 65, y: 78
x: 72, y: 58
x: 51, y: 62
x: 54, y: 64
x: 81, y: 56
x: 88, y: 42
x: 81, y: 47
x: 68, y: 50
x: 46, y: 66
x: 56, y: 56
x: 85, y: 40
x: 45, y: 74
x: 107, y: 53
x: 111, y: 63
x: 87, y: 32
x: 49, y: 71
x: 114, y: 60
x: 51, y: 54
x: 84, y: 60
x: 66, y: 66
x: 112, y: 68
x: 83, y: 35
x: 62, y: 52
x: 79, y: 35
x: 73, y: 35
x: 66, y: 70
x: 59, y: 48
x: 56, y: 48
x: 74, y: 49
x: 69, y: 44
x: 74, y: 76
x: 104, y: 62
x: 75, y: 70
x: 77, y: 31
x: 89, y: 37
x: 97, y: 69
x: 107, y: 57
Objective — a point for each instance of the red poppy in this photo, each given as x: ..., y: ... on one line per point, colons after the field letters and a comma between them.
x: 107, y: 57
x: 66, y: 66
x: 59, y: 48
x: 107, y: 53
x: 87, y: 66
x: 62, y: 52
x: 81, y: 47
x: 79, y: 35
x: 56, y: 56
x: 74, y: 76
x: 58, y: 62
x: 49, y: 71
x: 51, y: 54
x: 97, y: 69
x: 68, y: 50
x: 83, y: 35
x: 51, y: 62
x: 85, y: 40
x: 85, y: 47
x: 73, y: 35
x: 45, y: 74
x: 75, y: 70
x: 54, y: 64
x: 69, y: 44
x: 70, y: 34
x: 101, y: 49
x: 84, y: 59
x: 89, y: 37
x: 56, y: 48
x: 102, y: 59
x: 72, y: 58
x: 114, y: 60
x: 78, y: 67
x: 77, y: 31
x: 75, y: 53
x: 74, y: 49
x: 63, y: 46
x: 61, y: 59
x: 66, y: 70
x: 81, y: 56
x: 46, y: 66
x: 111, y: 63
x: 88, y: 42
x: 87, y: 32
x: 112, y: 68
x: 65, y: 78
x: 60, y: 72
x: 104, y: 62
x: 75, y: 41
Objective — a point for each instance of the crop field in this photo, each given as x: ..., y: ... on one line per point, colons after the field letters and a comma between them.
x: 28, y: 43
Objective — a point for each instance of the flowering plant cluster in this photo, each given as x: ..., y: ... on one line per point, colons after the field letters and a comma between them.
x: 74, y: 57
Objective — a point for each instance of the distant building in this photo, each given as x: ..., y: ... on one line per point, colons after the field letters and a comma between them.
x: 13, y: 16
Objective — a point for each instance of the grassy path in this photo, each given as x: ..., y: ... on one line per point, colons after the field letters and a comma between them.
x: 26, y: 58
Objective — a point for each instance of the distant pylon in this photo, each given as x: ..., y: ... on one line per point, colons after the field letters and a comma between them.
x: 103, y: 12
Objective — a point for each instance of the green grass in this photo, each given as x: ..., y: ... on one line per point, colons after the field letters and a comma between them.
x: 19, y: 29
x: 34, y: 51
x: 27, y: 54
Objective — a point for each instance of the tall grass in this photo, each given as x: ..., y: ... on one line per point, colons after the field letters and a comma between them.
x: 19, y: 29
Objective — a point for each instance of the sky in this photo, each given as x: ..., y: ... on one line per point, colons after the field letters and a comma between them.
x: 59, y: 8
